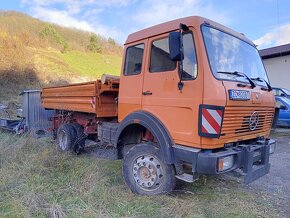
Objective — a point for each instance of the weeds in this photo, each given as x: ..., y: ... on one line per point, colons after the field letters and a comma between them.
x: 50, y: 32
x: 38, y: 181
x: 33, y: 31
x: 35, y: 54
x: 94, y: 45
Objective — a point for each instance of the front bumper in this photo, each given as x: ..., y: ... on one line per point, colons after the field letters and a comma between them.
x: 250, y: 160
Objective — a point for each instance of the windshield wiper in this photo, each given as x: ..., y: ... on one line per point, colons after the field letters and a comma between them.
x: 263, y: 80
x: 253, y: 85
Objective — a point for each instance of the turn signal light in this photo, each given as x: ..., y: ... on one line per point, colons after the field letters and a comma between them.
x: 225, y: 163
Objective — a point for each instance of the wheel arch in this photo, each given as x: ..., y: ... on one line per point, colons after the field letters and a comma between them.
x: 140, y: 120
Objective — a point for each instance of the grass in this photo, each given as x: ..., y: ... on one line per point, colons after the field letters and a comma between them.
x: 85, y: 63
x: 73, y: 66
x: 31, y: 60
x: 27, y: 43
x: 39, y: 181
x: 49, y: 67
x: 32, y: 32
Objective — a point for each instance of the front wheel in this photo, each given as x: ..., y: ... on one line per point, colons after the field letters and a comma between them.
x: 145, y: 173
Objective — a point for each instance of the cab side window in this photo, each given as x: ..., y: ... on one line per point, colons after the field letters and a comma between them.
x: 159, y: 59
x: 133, y: 61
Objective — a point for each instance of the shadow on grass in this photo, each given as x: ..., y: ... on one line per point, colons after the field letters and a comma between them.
x: 12, y: 82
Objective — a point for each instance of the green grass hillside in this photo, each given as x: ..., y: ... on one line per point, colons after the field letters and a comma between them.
x: 34, y: 54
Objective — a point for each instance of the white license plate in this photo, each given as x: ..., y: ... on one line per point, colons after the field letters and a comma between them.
x: 239, y: 95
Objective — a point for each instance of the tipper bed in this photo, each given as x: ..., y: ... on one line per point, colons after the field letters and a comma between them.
x: 99, y: 97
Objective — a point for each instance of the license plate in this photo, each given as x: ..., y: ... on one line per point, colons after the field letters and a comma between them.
x: 239, y: 95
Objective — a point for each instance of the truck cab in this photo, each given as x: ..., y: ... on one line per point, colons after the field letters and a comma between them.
x: 218, y: 110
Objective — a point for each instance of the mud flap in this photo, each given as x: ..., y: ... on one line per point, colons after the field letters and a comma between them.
x: 256, y: 162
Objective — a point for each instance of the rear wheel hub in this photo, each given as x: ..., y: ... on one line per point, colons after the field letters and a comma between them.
x: 63, y: 142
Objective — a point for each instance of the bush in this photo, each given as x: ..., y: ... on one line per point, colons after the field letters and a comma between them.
x: 94, y: 45
x: 112, y: 41
x: 50, y: 32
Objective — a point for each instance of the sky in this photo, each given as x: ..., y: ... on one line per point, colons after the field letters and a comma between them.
x: 266, y: 22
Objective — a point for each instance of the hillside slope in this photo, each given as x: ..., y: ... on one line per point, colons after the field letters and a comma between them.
x: 34, y: 54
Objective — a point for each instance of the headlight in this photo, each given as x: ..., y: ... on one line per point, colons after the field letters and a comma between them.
x: 225, y: 163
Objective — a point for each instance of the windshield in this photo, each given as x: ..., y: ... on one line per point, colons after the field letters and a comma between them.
x: 227, y: 53
x: 285, y: 101
x: 286, y: 91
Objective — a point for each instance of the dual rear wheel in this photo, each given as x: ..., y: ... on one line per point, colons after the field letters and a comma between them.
x: 71, y: 137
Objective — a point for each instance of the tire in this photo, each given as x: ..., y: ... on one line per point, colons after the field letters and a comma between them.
x: 54, y: 134
x: 65, y: 137
x: 145, y: 173
x: 80, y: 141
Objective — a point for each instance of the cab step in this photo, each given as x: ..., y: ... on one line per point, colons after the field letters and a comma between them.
x: 187, y: 177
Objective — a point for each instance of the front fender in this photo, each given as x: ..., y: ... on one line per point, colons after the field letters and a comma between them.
x: 157, y: 129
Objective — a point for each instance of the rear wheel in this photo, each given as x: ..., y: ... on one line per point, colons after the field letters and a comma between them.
x: 145, y: 173
x: 65, y: 137
x: 80, y: 140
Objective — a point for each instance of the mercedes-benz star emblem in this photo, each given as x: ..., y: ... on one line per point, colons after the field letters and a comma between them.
x: 254, y: 120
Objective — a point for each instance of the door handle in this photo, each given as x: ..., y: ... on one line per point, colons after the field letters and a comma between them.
x: 147, y: 93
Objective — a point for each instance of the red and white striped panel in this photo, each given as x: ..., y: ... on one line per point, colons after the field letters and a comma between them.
x: 211, y: 121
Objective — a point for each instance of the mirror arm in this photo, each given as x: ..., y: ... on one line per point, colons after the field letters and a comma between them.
x: 180, y: 84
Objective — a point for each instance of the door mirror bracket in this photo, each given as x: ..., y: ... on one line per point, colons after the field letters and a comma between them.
x: 176, y: 50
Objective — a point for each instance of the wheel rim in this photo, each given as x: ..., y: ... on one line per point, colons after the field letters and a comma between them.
x: 147, y: 172
x: 62, y: 140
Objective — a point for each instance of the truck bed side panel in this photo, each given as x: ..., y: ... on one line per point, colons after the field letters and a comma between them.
x: 91, y: 97
x: 78, y: 97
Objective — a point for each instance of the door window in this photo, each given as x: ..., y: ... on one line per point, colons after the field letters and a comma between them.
x: 133, y: 61
x: 160, y: 60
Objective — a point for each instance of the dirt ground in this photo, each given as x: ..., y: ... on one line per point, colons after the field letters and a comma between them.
x: 277, y: 182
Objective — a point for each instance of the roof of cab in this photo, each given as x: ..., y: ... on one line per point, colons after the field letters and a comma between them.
x: 194, y: 21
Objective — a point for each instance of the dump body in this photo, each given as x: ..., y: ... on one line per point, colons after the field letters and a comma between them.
x: 91, y: 97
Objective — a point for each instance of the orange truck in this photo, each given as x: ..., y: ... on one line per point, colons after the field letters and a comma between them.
x: 193, y: 98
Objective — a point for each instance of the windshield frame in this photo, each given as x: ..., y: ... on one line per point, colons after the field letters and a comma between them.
x: 262, y: 84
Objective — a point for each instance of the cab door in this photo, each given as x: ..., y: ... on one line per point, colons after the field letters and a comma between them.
x: 177, y: 110
x: 130, y: 91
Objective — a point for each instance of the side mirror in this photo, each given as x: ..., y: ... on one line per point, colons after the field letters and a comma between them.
x: 174, y: 46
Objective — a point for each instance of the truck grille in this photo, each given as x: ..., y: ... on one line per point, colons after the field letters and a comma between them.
x: 239, y: 121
